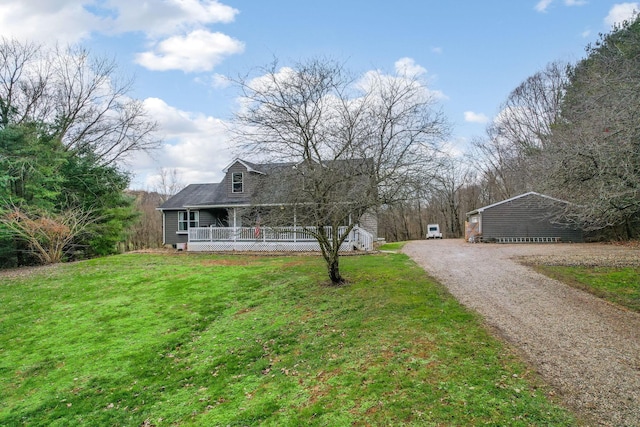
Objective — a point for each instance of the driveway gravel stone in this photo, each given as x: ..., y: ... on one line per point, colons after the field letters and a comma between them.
x: 586, y: 348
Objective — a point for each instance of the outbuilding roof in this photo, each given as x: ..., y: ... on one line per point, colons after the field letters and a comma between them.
x: 530, y: 193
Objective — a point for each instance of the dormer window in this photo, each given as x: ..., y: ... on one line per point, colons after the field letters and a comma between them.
x: 237, y: 185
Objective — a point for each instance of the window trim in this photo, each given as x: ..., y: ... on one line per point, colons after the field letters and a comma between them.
x: 233, y: 182
x: 190, y: 223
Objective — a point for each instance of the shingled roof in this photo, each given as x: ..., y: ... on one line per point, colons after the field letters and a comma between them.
x: 192, y: 193
x: 530, y: 193
x: 216, y: 194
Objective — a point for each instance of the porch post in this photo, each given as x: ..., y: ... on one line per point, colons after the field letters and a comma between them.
x: 295, y: 224
x: 188, y: 225
x: 235, y: 229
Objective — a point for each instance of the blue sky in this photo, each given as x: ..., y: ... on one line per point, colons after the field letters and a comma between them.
x: 472, y: 52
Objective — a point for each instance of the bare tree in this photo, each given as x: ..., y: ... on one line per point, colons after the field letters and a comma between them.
x: 356, y: 145
x: 509, y: 155
x: 146, y: 232
x: 502, y: 165
x: 23, y: 83
x: 81, y: 98
x: 454, y: 177
x: 168, y: 184
x: 531, y: 109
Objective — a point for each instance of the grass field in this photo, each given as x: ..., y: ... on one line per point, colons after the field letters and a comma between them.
x: 202, y: 340
x: 620, y: 285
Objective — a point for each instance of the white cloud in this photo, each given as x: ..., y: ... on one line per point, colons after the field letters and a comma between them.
x: 437, y: 50
x: 199, y: 50
x: 36, y: 20
x: 408, y: 67
x: 215, y: 80
x: 163, y: 17
x: 265, y: 82
x: 73, y: 20
x: 195, y: 145
x: 471, y: 117
x: 454, y: 148
x: 177, y: 29
x: 542, y: 5
x: 585, y: 34
x: 378, y: 78
x: 220, y: 81
x: 621, y: 12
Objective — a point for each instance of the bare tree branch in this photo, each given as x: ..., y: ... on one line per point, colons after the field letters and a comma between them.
x: 345, y: 146
x: 80, y: 97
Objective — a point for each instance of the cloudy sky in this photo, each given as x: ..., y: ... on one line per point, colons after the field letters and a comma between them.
x: 472, y: 52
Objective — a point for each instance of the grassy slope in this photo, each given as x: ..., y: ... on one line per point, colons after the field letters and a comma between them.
x: 620, y: 285
x: 210, y: 340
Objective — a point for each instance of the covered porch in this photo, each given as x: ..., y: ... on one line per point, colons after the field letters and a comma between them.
x: 271, y: 239
x: 240, y: 228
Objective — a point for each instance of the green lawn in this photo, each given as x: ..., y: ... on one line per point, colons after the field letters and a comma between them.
x: 202, y: 340
x: 393, y: 246
x: 620, y: 285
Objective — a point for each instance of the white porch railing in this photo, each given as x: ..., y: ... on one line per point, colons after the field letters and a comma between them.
x: 270, y: 238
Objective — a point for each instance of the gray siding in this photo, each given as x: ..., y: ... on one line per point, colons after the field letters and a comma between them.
x: 369, y: 221
x: 524, y: 217
x: 171, y: 228
x: 247, y: 182
x: 206, y: 218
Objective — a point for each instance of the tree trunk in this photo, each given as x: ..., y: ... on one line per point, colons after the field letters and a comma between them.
x: 330, y: 252
x: 334, y: 270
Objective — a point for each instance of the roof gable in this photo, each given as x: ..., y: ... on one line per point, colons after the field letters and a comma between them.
x: 251, y: 167
x: 530, y: 193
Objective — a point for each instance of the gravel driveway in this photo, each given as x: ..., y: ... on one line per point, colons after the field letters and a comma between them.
x: 588, y: 349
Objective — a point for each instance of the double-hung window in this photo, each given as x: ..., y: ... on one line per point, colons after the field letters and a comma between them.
x: 188, y: 220
x: 237, y: 186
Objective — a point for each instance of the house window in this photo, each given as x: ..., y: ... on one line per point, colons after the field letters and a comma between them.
x: 185, y: 222
x: 237, y: 185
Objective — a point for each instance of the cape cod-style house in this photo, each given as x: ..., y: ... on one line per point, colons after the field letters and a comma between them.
x: 218, y: 217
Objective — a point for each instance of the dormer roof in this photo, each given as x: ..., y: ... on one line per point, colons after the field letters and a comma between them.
x: 251, y: 167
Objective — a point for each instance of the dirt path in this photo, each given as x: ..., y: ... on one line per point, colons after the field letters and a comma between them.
x: 588, y: 349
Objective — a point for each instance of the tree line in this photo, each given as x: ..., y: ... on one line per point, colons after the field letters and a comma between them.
x: 66, y: 121
x: 569, y: 131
